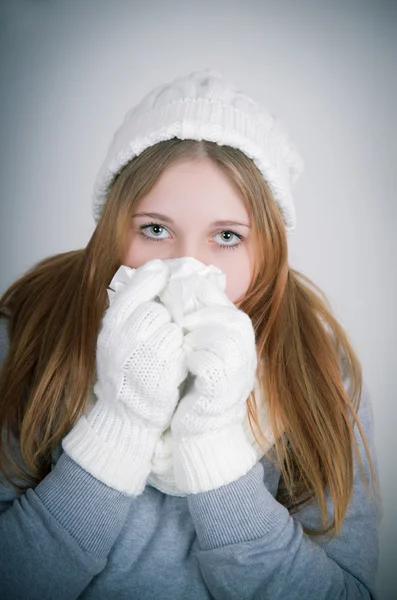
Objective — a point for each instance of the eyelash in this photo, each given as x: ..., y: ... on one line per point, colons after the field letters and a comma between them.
x: 221, y: 246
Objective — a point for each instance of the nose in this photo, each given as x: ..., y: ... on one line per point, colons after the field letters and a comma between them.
x: 189, y: 248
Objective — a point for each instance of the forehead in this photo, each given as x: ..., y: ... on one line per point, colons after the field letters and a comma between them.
x: 197, y: 184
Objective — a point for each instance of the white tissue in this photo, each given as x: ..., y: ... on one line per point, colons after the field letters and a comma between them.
x: 187, y: 273
x: 179, y: 296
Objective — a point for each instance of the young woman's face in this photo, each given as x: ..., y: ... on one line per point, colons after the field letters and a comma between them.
x: 177, y: 218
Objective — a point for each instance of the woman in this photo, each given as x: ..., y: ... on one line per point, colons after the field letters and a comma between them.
x: 187, y: 418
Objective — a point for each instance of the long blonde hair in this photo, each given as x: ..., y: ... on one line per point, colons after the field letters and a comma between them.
x: 54, y: 313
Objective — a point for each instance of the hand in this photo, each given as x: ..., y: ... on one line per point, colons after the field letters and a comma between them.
x: 140, y: 364
x: 140, y: 361
x: 209, y: 445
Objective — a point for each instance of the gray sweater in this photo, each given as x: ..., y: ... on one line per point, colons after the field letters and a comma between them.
x: 74, y: 537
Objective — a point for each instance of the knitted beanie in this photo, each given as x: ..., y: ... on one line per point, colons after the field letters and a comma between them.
x: 203, y: 106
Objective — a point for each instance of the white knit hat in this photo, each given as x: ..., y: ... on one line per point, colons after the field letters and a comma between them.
x: 203, y: 106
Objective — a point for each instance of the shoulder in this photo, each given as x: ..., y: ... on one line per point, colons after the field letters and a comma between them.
x: 4, y: 339
x: 365, y: 414
x: 4, y: 346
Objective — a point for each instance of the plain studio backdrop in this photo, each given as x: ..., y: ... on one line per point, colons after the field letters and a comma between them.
x: 70, y: 69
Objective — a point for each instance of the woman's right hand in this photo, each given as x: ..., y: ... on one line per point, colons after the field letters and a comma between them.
x: 140, y: 364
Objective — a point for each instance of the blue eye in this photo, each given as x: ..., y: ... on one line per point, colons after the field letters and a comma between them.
x: 158, y: 226
x: 230, y: 246
x: 152, y: 226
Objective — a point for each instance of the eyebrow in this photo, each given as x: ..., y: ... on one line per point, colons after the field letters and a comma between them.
x: 156, y: 215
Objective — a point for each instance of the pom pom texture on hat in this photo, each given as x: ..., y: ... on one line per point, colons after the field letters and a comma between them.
x: 203, y: 106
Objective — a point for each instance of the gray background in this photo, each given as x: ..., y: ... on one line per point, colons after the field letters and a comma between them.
x: 71, y: 69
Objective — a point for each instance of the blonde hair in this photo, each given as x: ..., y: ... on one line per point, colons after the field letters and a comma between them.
x: 55, y: 309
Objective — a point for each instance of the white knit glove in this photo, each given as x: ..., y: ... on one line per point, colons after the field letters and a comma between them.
x: 210, y: 447
x: 140, y: 364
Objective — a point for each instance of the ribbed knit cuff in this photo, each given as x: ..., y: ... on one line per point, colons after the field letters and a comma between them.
x: 90, y: 511
x: 216, y: 458
x: 113, y: 448
x: 241, y: 511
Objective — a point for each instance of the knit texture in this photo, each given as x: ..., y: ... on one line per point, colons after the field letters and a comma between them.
x: 74, y: 537
x: 204, y: 106
x: 140, y: 364
x: 209, y: 459
x: 210, y: 447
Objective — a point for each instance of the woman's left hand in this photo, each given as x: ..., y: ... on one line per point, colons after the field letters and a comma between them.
x: 209, y: 444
